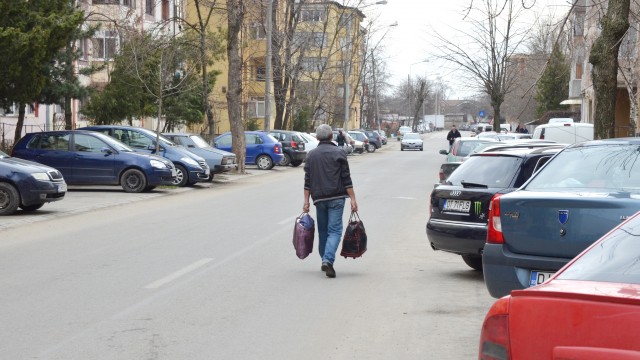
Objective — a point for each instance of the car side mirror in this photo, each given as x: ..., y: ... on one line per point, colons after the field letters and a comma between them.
x: 106, y: 151
x: 444, y: 152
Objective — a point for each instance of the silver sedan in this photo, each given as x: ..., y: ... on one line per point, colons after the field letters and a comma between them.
x: 411, y: 141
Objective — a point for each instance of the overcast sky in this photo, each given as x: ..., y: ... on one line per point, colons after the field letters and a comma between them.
x: 411, y: 41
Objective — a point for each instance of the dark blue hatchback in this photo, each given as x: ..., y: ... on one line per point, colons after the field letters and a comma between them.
x: 90, y: 158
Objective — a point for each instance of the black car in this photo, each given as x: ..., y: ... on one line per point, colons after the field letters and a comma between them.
x: 292, y: 147
x: 375, y: 141
x: 459, y: 208
x: 28, y: 185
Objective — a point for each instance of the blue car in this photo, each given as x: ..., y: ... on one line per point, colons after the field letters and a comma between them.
x: 28, y: 185
x: 579, y: 195
x: 263, y: 150
x: 190, y: 167
x: 89, y: 158
x: 219, y: 161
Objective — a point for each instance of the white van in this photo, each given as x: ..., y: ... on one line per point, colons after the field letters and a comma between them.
x: 565, y: 133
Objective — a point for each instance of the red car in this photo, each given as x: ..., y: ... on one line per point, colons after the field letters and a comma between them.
x: 590, y: 309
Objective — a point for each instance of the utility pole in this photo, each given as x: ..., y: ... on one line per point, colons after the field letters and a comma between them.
x: 347, y: 70
x: 267, y: 79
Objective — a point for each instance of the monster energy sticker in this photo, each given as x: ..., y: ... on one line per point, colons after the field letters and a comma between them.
x: 477, y: 207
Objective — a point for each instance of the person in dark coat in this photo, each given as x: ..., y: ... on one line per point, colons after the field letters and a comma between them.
x: 341, y: 139
x: 327, y: 180
x: 453, y: 134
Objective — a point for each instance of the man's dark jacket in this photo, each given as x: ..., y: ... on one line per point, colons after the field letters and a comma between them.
x: 326, y: 172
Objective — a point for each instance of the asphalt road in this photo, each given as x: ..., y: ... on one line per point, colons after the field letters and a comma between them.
x: 210, y: 273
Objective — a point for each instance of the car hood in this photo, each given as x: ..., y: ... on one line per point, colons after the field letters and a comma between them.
x: 188, y: 153
x: 25, y: 165
x: 218, y: 151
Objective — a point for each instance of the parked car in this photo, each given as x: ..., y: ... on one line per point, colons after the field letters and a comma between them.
x: 459, y: 208
x: 583, y: 192
x: 219, y: 161
x: 375, y: 142
x: 462, y: 147
x: 411, y: 141
x: 190, y: 168
x: 383, y: 136
x: 361, y: 137
x: 310, y: 142
x: 513, y: 136
x: 403, y: 130
x: 565, y: 132
x: 28, y: 185
x: 262, y: 149
x: 293, y: 147
x: 589, y: 310
x: 90, y: 158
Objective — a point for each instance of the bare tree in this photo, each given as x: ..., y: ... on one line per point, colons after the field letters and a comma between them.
x: 235, y: 21
x: 497, y: 38
x: 604, y: 58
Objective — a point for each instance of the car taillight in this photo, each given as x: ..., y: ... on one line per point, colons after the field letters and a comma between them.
x: 276, y: 149
x: 366, y: 141
x: 494, y: 338
x: 294, y: 144
x: 494, y: 227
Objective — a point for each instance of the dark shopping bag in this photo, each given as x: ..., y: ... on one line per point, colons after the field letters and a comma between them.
x: 354, y: 242
x: 303, y: 232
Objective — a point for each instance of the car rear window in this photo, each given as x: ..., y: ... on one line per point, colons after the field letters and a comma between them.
x: 614, y: 260
x: 593, y: 168
x: 465, y: 148
x: 493, y: 171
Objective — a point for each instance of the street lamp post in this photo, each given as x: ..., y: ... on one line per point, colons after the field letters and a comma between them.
x: 267, y: 79
x: 375, y: 82
x: 347, y: 66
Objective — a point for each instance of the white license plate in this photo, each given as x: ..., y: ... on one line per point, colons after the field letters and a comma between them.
x: 207, y: 171
x: 173, y: 173
x: 457, y: 205
x: 62, y: 188
x: 538, y: 277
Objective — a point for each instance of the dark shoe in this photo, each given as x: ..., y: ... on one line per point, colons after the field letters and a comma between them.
x: 328, y: 270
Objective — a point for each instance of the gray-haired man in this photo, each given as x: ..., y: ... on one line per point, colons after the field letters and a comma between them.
x: 328, y: 181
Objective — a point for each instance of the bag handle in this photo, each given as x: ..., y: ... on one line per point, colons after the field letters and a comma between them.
x: 354, y: 216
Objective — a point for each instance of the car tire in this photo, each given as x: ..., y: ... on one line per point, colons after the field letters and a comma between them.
x: 29, y: 208
x: 9, y: 199
x: 371, y: 148
x: 474, y: 261
x: 286, y: 160
x: 401, y: 148
x: 264, y: 162
x: 296, y: 163
x: 133, y: 181
x: 421, y: 149
x: 182, y: 176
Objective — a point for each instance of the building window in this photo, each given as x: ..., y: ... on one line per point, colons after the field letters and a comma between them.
x: 578, y: 71
x: 261, y: 73
x: 129, y: 3
x: 84, y: 49
x: 149, y: 6
x: 165, y: 10
x: 257, y: 31
x: 312, y: 15
x: 105, y: 45
x: 256, y: 107
x: 106, y: 2
x: 312, y: 64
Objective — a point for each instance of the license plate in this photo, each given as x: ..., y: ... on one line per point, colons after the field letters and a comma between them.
x: 207, y: 171
x: 457, y: 205
x: 61, y: 188
x: 173, y: 173
x: 538, y: 277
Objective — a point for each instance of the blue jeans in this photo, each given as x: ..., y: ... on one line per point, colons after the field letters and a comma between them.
x: 329, y: 214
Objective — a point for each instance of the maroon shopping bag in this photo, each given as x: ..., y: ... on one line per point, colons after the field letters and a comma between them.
x: 303, y: 232
x: 354, y: 242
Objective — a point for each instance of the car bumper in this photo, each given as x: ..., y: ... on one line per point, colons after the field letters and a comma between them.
x: 458, y: 237
x: 199, y: 175
x: 505, y: 271
x: 38, y: 192
x: 217, y: 169
x: 161, y: 177
x: 411, y: 146
x: 298, y: 155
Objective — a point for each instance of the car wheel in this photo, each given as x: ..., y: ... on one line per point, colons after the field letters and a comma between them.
x: 182, y: 176
x: 286, y: 160
x: 264, y: 162
x: 474, y: 261
x: 401, y: 148
x: 371, y: 148
x: 296, y: 163
x: 9, y: 199
x: 33, y: 207
x: 421, y: 149
x: 133, y: 181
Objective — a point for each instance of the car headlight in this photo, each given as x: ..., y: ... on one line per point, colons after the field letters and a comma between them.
x: 189, y: 161
x: 41, y: 176
x: 158, y: 164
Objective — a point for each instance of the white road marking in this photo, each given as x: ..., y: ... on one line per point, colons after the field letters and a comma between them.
x: 404, y: 198
x: 179, y: 273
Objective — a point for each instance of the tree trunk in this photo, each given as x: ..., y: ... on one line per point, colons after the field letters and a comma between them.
x: 234, y: 93
x: 68, y: 123
x: 604, y: 57
x: 20, y: 123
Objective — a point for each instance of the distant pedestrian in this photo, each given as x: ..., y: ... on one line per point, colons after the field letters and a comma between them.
x: 327, y: 180
x: 453, y: 134
x: 340, y: 139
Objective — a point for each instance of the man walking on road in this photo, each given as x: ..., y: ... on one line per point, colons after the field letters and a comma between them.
x: 453, y: 134
x: 328, y: 181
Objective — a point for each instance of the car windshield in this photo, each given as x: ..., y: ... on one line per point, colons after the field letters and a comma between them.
x: 117, y: 145
x: 592, y: 168
x: 615, y: 259
x: 163, y: 139
x: 411, y: 136
x: 465, y: 148
x: 493, y: 171
x: 199, y: 142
